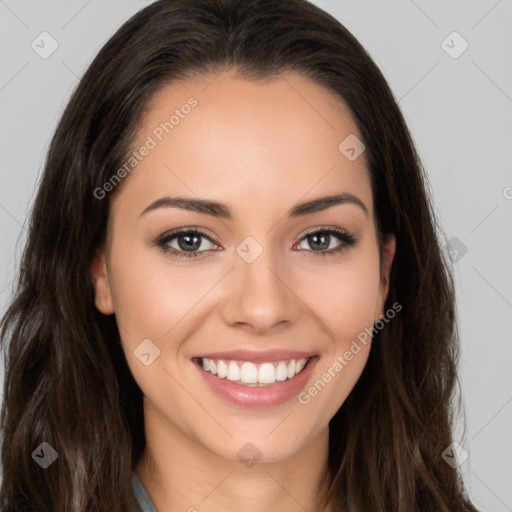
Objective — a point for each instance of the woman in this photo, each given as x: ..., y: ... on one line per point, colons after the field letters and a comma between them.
x: 174, y: 342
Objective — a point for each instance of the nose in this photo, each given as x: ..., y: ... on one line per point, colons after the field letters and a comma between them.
x: 259, y: 296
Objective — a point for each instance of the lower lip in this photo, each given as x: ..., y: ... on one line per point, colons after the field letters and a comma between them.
x: 265, y: 396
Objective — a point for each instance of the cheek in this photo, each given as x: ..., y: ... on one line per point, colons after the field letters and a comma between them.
x: 151, y: 296
x: 347, y: 300
x: 356, y: 303
x: 345, y: 296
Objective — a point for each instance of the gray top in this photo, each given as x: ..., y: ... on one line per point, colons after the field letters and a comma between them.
x: 146, y: 505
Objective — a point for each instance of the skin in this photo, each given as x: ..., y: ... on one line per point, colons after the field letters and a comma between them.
x: 260, y: 148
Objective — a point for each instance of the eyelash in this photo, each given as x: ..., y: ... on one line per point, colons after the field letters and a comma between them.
x: 346, y: 239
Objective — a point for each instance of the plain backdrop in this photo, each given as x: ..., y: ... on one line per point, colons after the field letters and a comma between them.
x: 449, y: 63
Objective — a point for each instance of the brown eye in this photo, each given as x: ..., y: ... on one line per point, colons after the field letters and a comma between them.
x: 186, y: 243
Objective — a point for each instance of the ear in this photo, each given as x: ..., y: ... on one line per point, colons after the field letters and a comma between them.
x: 388, y: 254
x: 101, y: 283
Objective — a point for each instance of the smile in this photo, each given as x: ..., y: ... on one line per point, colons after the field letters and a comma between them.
x: 250, y: 374
x: 256, y: 379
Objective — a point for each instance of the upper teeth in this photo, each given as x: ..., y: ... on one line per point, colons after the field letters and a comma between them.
x: 250, y: 373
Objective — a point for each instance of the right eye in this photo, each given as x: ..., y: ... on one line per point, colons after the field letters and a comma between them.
x: 187, y: 242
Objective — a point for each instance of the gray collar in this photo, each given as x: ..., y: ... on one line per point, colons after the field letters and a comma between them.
x: 142, y: 496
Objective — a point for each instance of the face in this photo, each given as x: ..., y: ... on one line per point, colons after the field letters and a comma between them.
x: 217, y: 320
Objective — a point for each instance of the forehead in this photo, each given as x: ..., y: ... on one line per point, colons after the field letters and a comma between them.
x: 251, y: 144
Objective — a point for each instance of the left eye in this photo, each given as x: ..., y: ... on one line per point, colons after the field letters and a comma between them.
x: 322, y: 240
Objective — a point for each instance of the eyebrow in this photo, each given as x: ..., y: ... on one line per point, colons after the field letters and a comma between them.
x: 223, y: 211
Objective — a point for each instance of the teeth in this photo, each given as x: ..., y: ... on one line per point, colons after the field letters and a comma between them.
x: 281, y: 372
x: 291, y: 369
x: 222, y: 369
x: 251, y: 374
x: 267, y: 374
x: 233, y: 371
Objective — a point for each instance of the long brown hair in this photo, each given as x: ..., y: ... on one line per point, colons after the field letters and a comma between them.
x: 67, y: 382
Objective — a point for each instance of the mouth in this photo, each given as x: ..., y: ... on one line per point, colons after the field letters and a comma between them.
x: 247, y: 373
x: 256, y: 379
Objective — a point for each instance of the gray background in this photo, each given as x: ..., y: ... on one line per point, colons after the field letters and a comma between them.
x: 458, y: 110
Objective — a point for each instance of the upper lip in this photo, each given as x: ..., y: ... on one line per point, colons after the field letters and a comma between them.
x: 258, y: 356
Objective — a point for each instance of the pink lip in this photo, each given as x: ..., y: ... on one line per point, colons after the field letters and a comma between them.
x: 247, y: 396
x: 268, y: 356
